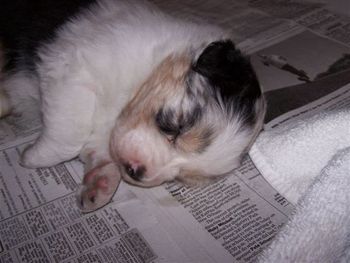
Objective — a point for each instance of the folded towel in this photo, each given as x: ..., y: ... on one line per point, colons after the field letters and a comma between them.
x: 309, y: 163
x: 291, y: 156
x: 319, y: 230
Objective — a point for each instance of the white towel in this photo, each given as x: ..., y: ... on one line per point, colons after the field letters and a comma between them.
x: 309, y: 163
x: 319, y: 230
x: 291, y: 156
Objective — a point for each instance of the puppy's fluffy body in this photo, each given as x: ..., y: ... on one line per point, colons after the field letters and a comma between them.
x: 136, y: 94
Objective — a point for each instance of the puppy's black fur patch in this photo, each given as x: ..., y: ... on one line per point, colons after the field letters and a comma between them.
x: 228, y: 70
x: 230, y: 73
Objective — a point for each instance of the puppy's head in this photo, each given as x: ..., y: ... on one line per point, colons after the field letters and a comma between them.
x: 193, y: 118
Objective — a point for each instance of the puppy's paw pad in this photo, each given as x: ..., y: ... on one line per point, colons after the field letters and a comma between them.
x: 99, y: 187
x: 102, y: 184
x: 95, y: 195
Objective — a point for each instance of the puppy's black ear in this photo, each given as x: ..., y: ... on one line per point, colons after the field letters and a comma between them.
x: 228, y: 70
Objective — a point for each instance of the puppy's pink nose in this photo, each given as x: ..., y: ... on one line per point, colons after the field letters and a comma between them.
x: 135, y: 171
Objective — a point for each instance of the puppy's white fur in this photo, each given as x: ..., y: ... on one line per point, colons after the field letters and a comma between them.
x: 89, y: 72
x: 96, y: 65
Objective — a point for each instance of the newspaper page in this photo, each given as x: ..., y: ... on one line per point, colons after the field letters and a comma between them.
x: 306, y: 70
x: 40, y: 220
x: 301, y: 75
x: 230, y: 220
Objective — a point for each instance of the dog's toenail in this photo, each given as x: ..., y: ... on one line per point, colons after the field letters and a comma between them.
x: 92, y: 199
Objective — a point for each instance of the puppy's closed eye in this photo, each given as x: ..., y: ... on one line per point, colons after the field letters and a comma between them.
x: 174, y: 125
x: 167, y: 122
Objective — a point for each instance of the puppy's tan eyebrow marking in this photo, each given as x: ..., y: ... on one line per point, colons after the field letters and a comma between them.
x: 166, y: 81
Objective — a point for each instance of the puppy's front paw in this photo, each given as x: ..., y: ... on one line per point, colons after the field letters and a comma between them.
x: 44, y: 153
x: 99, y: 186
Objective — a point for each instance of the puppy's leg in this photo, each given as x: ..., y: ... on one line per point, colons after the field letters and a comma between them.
x: 102, y: 175
x: 68, y: 111
x: 99, y: 184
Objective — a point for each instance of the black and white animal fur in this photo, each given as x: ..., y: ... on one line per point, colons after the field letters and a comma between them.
x: 135, y: 93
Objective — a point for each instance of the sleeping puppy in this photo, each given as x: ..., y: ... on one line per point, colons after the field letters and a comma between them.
x: 135, y: 93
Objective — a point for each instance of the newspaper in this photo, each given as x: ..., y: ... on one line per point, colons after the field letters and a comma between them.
x: 302, y: 56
